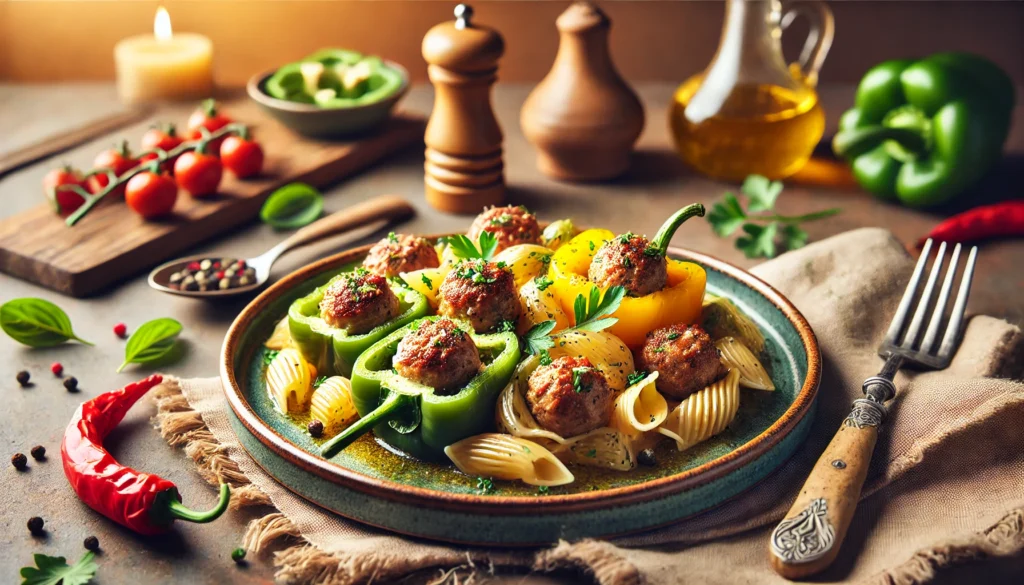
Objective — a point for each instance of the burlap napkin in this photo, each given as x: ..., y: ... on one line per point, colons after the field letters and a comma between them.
x: 947, y: 486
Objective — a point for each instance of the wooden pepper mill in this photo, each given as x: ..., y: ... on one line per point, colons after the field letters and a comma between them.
x: 582, y: 117
x: 463, y: 172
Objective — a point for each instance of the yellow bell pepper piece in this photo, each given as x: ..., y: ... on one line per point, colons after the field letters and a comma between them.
x: 679, y: 302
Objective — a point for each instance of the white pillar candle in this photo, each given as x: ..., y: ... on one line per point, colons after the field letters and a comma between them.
x: 164, y: 66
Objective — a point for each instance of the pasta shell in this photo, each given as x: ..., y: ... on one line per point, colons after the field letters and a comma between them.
x: 526, y: 261
x: 539, y: 306
x: 640, y: 408
x: 722, y: 318
x: 607, y: 352
x: 737, y: 356
x: 290, y: 380
x: 506, y: 457
x: 332, y: 405
x: 281, y: 338
x: 426, y: 281
x: 513, y: 413
x: 704, y: 414
x: 604, y: 447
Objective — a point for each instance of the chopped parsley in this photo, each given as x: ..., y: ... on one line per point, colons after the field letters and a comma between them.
x: 319, y: 381
x: 578, y: 383
x: 672, y: 336
x: 543, y: 282
x: 426, y: 282
x: 269, y: 355
x: 505, y: 326
x: 659, y: 350
x: 652, y: 251
x: 626, y: 237
x: 627, y: 262
x: 545, y: 358
x: 392, y: 237
x: 542, y: 490
x: 592, y: 453
x: 502, y: 220
x: 484, y: 485
x: 501, y: 264
x: 592, y: 246
x: 635, y: 377
x: 473, y: 271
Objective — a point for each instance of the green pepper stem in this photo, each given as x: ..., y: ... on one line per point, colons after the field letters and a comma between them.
x: 394, y: 402
x: 853, y: 143
x: 668, y: 229
x: 178, y: 510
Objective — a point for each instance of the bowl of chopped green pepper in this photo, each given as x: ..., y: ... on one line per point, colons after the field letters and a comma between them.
x: 332, y: 93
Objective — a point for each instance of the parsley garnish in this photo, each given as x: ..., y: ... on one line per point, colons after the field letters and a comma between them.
x: 269, y: 355
x: 505, y: 325
x: 484, y: 485
x: 577, y: 379
x: 635, y: 377
x: 652, y: 252
x: 626, y: 237
x: 760, y: 239
x: 592, y: 246
x: 392, y: 237
x: 543, y: 282
x: 464, y: 248
x: 53, y: 570
x: 591, y: 453
x: 537, y: 339
x: 672, y: 336
x: 319, y: 381
x: 593, y: 315
x: 473, y: 270
x: 545, y: 358
x: 542, y: 490
x: 502, y: 220
x: 426, y: 282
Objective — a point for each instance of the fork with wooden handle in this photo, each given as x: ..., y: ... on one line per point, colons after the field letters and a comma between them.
x: 808, y: 539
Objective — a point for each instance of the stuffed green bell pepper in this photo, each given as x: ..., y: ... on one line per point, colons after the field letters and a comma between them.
x: 430, y: 384
x: 922, y: 132
x: 338, y: 321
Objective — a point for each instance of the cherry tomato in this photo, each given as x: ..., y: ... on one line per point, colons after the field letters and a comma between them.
x: 242, y: 156
x: 163, y: 137
x: 207, y: 116
x: 63, y: 201
x: 151, y: 195
x: 119, y: 160
x: 198, y: 173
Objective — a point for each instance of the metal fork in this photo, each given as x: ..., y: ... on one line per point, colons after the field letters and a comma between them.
x: 808, y: 539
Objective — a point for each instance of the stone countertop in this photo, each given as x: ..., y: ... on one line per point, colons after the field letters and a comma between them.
x: 656, y: 185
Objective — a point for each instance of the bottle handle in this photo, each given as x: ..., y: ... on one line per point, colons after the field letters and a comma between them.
x: 819, y: 39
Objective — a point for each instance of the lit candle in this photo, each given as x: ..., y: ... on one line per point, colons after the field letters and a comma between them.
x: 164, y: 65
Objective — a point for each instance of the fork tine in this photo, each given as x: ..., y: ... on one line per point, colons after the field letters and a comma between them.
x: 900, y: 318
x: 940, y: 306
x: 926, y: 298
x: 956, y: 318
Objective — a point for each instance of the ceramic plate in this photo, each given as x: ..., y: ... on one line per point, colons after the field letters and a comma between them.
x: 370, y: 484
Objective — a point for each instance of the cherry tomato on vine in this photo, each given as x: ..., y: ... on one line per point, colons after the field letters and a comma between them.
x: 242, y: 156
x: 198, y: 173
x: 151, y: 195
x: 165, y: 138
x: 63, y: 201
x: 207, y: 116
x: 119, y: 160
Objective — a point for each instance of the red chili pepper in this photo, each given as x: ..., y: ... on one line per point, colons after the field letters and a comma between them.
x: 144, y: 503
x: 981, y: 223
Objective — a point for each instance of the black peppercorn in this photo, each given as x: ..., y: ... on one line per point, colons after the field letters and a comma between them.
x: 38, y: 452
x: 92, y: 543
x: 35, y: 525
x: 238, y: 555
x: 71, y: 384
x: 23, y: 378
x: 646, y: 457
x: 19, y: 461
x: 315, y: 428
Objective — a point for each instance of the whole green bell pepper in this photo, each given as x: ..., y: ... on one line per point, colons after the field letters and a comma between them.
x: 414, y: 418
x: 333, y: 351
x: 922, y: 132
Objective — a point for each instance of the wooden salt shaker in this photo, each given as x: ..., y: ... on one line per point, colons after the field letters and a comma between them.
x: 463, y: 172
x: 582, y: 117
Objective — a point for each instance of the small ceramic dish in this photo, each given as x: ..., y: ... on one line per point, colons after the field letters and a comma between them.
x: 371, y: 484
x: 319, y: 122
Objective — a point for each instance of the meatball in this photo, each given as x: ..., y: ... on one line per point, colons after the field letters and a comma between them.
x: 438, y: 354
x: 358, y: 301
x: 570, y: 396
x: 629, y: 261
x: 483, y: 293
x: 396, y: 254
x: 685, y: 358
x: 512, y: 225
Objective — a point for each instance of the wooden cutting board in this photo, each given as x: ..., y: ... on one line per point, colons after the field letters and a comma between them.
x: 112, y: 243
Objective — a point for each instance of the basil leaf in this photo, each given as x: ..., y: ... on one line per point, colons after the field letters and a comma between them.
x: 36, y: 323
x: 292, y: 206
x: 151, y: 341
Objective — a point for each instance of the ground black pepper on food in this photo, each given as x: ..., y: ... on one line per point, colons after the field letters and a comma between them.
x: 23, y: 378
x: 38, y: 452
x: 19, y: 461
x: 35, y: 525
x: 92, y: 543
x: 213, y: 274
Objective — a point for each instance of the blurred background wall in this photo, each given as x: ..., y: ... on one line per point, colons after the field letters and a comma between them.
x: 59, y: 40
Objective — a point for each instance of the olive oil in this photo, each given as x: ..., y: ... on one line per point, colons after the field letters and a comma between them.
x: 758, y: 129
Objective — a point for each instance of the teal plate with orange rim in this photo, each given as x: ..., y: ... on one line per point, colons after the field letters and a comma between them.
x: 369, y: 483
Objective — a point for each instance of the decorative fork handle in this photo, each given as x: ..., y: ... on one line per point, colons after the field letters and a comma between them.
x: 808, y: 539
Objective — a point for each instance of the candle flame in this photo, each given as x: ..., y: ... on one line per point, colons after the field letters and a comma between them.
x: 162, y: 25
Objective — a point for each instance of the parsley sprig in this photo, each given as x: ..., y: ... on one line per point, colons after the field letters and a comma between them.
x: 464, y: 248
x: 592, y: 314
x: 53, y: 570
x: 763, y: 229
